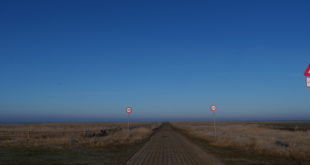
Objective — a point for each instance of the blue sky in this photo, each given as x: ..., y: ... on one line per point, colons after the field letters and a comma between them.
x: 170, y: 60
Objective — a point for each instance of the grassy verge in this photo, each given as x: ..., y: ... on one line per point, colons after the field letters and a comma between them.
x: 48, y: 148
x: 75, y: 156
x: 235, y: 156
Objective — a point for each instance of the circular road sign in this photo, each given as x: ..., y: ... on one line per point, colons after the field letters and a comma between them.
x: 129, y: 110
x: 213, y: 107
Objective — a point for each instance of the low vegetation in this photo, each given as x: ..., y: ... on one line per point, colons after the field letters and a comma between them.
x: 253, y: 137
x: 66, y: 135
x: 290, y: 126
x: 72, y: 143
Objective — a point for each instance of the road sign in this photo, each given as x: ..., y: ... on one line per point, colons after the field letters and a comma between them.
x: 129, y: 110
x: 213, y: 107
x: 307, y: 72
x: 308, y: 82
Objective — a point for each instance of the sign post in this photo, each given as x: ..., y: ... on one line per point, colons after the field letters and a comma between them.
x: 213, y: 108
x: 128, y: 111
x: 307, y: 74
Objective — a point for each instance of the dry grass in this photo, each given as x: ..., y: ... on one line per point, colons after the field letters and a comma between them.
x: 62, y: 135
x: 251, y: 136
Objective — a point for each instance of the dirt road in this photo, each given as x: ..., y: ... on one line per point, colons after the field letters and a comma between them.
x: 168, y: 147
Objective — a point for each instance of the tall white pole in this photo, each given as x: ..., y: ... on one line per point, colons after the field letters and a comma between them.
x: 128, y: 122
x: 214, y: 124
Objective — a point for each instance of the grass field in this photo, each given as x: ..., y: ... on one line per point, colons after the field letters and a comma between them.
x: 71, y: 143
x: 252, y: 140
x: 290, y: 126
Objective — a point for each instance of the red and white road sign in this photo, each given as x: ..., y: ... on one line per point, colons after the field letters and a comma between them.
x: 307, y: 72
x: 128, y: 109
x: 213, y: 107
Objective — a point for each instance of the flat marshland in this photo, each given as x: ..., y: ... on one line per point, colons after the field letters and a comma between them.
x: 71, y: 143
x: 281, y: 140
x: 235, y: 143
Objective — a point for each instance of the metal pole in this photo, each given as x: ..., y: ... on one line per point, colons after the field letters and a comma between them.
x: 128, y: 122
x: 214, y: 124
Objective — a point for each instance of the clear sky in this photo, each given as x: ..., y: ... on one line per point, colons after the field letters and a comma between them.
x: 170, y: 60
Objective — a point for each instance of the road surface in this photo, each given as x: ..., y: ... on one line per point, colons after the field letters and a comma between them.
x: 168, y: 147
